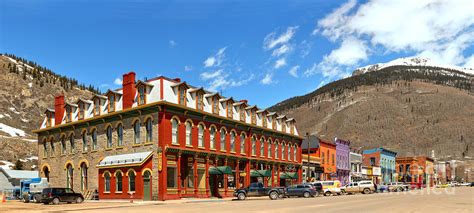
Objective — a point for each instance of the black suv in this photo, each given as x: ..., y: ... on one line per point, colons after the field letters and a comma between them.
x: 258, y: 190
x: 319, y: 188
x: 57, y: 195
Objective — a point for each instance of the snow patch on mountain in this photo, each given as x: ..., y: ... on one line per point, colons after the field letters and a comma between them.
x: 413, y: 62
x: 12, y: 131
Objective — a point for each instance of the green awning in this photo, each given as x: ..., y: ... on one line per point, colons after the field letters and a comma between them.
x: 260, y: 173
x: 288, y: 175
x: 220, y: 170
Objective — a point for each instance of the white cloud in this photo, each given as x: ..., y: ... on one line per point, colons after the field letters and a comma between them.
x: 268, y: 79
x: 469, y: 62
x: 173, y: 43
x: 280, y: 63
x: 118, y: 81
x: 294, y: 71
x: 215, y: 60
x: 209, y: 75
x: 442, y: 30
x: 220, y: 79
x: 188, y: 68
x: 272, y: 40
x: 281, y: 50
x: 350, y: 52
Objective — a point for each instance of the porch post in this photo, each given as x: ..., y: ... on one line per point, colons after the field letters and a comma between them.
x: 225, y: 178
x: 207, y: 175
x: 237, y: 175
x: 196, y: 184
x: 179, y: 173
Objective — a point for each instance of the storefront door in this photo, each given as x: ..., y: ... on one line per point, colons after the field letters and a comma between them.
x: 146, y: 186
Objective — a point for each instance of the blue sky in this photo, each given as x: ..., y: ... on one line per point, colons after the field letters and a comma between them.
x: 262, y: 51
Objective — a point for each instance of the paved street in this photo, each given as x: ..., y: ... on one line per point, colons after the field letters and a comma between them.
x: 437, y: 200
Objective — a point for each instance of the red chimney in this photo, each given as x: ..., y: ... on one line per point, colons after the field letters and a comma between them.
x: 129, y: 90
x: 58, y: 109
x: 177, y: 80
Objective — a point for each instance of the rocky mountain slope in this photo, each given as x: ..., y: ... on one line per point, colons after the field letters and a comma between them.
x: 409, y: 108
x: 26, y: 91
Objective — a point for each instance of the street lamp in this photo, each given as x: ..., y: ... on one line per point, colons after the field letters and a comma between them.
x: 307, y: 167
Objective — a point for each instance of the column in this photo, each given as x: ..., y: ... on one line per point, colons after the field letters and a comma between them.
x: 196, y: 184
x: 273, y: 175
x: 237, y: 175
x: 278, y: 174
x: 247, y: 171
x: 207, y: 176
x: 179, y: 174
x: 225, y: 179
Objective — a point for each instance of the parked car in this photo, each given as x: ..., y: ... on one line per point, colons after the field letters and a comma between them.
x: 465, y: 184
x: 472, y: 184
x: 417, y: 186
x: 301, y: 190
x: 258, y: 190
x: 382, y: 188
x: 446, y: 185
x: 57, y: 195
x: 453, y: 183
x: 331, y: 187
x: 319, y: 188
x: 364, y: 187
x: 398, y: 186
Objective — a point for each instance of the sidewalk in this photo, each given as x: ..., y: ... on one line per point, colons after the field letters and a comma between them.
x: 182, y: 200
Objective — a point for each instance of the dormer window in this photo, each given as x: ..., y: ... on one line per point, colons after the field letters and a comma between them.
x: 199, y: 101
x: 182, y: 95
x: 141, y: 95
x: 68, y: 114
x: 80, y: 113
x: 242, y: 113
x: 228, y: 105
x: 264, y: 120
x: 274, y: 125
x: 111, y: 103
x: 253, y: 116
x: 283, y: 126
x: 230, y: 111
x: 292, y: 128
x: 96, y: 106
x: 215, y: 105
x: 49, y: 117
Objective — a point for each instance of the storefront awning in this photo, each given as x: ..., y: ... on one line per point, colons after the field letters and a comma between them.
x: 220, y: 170
x: 124, y: 160
x: 260, y: 173
x: 288, y: 175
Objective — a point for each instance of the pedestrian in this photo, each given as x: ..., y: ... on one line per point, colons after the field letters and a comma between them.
x: 375, y: 187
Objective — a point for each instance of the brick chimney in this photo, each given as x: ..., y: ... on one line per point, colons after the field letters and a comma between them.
x: 58, y: 109
x: 129, y: 90
x: 177, y: 80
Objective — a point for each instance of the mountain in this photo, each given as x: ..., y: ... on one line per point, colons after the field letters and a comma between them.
x: 410, y: 105
x: 27, y: 89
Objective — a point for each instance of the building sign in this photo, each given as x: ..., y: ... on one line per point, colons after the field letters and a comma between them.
x: 160, y: 161
x: 376, y: 171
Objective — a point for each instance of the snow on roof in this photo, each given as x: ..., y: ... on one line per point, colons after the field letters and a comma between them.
x: 124, y: 159
x: 20, y: 174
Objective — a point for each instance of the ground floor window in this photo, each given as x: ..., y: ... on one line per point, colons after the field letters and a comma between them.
x: 118, y: 181
x: 83, y: 177
x: 201, y: 178
x: 190, y: 177
x: 172, y: 177
x: 69, y: 176
x: 131, y: 181
x: 107, y: 182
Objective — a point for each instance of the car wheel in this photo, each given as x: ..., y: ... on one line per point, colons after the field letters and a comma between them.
x: 241, y: 196
x: 37, y: 198
x: 343, y: 191
x: 306, y: 195
x: 55, y: 201
x: 316, y: 194
x: 79, y: 200
x: 327, y: 193
x: 273, y: 195
x: 366, y: 191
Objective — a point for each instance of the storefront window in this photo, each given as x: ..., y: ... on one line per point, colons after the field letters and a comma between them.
x: 201, y: 179
x: 190, y: 177
x: 172, y: 177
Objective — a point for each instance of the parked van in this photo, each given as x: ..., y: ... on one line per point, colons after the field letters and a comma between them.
x: 331, y: 187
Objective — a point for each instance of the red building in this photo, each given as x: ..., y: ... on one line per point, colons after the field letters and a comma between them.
x: 324, y: 150
x: 164, y: 139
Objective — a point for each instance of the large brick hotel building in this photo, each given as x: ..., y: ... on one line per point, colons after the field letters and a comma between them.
x: 163, y: 139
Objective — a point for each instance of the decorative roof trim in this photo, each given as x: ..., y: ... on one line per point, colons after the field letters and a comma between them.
x: 140, y: 82
x: 180, y: 84
x: 113, y: 91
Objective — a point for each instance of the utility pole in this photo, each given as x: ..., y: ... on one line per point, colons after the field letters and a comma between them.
x: 307, y: 167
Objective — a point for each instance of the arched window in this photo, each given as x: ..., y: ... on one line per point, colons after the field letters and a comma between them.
x: 119, y: 135
x: 131, y: 181
x: 288, y: 150
x: 71, y: 143
x: 294, y: 152
x: 109, y: 137
x: 136, y: 131
x: 262, y: 146
x: 149, y: 130
x: 223, y: 133
x: 69, y: 176
x: 118, y: 181
x: 45, y: 149
x: 189, y: 136
x: 283, y: 147
x: 201, y: 135
x: 84, y: 177
x: 63, y: 145
x: 269, y: 148
x: 174, y: 131
x: 276, y: 149
x: 46, y: 173
x: 106, y: 182
x: 212, y: 133
x: 254, y: 145
x: 84, y: 141
x: 94, y: 139
x: 52, y: 147
x: 242, y: 143
x: 232, y: 141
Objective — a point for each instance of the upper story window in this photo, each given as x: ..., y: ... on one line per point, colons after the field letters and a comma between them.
x: 52, y: 148
x: 232, y: 141
x: 68, y: 114
x: 141, y: 95
x: 288, y: 150
x: 242, y: 113
x: 112, y: 103
x: 294, y: 152
x: 149, y: 130
x: 274, y: 125
x: 96, y: 106
x: 222, y: 139
x: 215, y: 104
x: 94, y: 139
x: 283, y: 147
x: 283, y: 126
x: 136, y: 131
x: 212, y: 133
x: 253, y: 116
x: 254, y: 146
x: 109, y: 137
x: 49, y: 118
x: 269, y: 148
x: 84, y: 141
x: 199, y: 101
x: 119, y: 135
x: 189, y: 137
x: 174, y: 131
x: 262, y: 146
x: 182, y: 95
x: 63, y: 145
x: 80, y: 113
x: 264, y: 120
x: 276, y: 149
x: 242, y: 143
x: 72, y: 145
x: 201, y: 135
x: 292, y: 128
x: 45, y: 149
